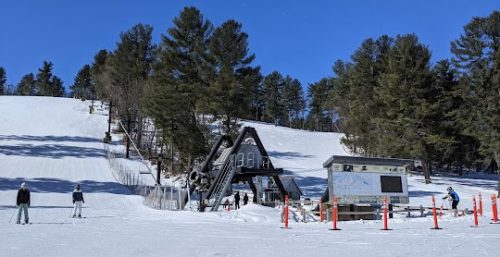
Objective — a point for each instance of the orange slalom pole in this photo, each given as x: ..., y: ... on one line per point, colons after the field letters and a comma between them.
x: 286, y: 211
x: 476, y: 223
x: 494, y: 208
x: 335, y: 214
x: 385, y: 214
x: 480, y: 205
x: 320, y: 211
x: 434, y: 214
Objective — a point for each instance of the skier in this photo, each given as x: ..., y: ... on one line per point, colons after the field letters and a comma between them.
x: 237, y: 201
x: 245, y: 199
x: 23, y: 202
x: 453, y: 197
x: 77, y: 201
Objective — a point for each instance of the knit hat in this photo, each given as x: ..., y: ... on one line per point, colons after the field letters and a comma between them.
x: 23, y: 185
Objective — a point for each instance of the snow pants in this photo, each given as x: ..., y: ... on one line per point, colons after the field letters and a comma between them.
x: 77, y: 206
x: 23, y: 206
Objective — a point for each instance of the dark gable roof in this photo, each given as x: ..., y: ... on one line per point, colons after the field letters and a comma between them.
x: 366, y: 161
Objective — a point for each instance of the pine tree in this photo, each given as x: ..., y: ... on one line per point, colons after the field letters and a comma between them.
x: 477, y: 57
x: 129, y: 69
x: 56, y: 87
x: 82, y: 86
x: 99, y: 76
x: 318, y: 118
x: 43, y: 79
x: 3, y: 80
x: 293, y: 101
x: 27, y: 85
x: 273, y: 95
x: 180, y: 78
x: 406, y: 96
x: 234, y: 80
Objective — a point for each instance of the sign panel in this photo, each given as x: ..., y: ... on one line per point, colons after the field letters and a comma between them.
x: 368, y: 187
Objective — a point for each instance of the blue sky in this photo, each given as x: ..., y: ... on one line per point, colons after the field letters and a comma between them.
x: 298, y: 38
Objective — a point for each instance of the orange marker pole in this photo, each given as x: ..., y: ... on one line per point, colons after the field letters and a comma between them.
x: 320, y: 211
x: 434, y: 214
x: 476, y: 223
x: 385, y: 214
x: 480, y: 205
x: 286, y: 211
x: 335, y: 214
x: 494, y: 208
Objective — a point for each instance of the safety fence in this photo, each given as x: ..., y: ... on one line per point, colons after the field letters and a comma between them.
x: 316, y: 211
x: 157, y: 197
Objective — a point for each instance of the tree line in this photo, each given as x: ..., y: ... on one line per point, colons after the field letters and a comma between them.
x: 388, y: 99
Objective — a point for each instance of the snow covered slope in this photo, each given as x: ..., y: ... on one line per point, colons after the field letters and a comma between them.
x: 53, y: 143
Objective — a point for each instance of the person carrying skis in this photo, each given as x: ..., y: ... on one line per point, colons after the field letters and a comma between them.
x: 23, y: 202
x: 245, y: 199
x: 453, y: 197
x: 237, y: 200
x: 77, y: 201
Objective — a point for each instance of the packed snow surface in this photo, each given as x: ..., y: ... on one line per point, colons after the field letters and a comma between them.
x: 54, y: 143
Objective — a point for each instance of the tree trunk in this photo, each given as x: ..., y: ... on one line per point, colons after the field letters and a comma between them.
x: 427, y: 171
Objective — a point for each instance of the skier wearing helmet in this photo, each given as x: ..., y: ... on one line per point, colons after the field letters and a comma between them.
x: 453, y: 197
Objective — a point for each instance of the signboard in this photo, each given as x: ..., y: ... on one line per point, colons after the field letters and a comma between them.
x: 368, y: 187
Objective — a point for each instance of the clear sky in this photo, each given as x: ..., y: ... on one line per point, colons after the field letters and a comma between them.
x: 298, y: 38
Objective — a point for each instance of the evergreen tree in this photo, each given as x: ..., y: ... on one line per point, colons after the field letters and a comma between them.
x: 406, y: 95
x: 99, y: 76
x: 273, y: 97
x: 318, y: 118
x: 477, y: 57
x: 129, y: 69
x: 180, y: 78
x: 83, y: 87
x: 27, y: 85
x: 43, y: 80
x: 3, y: 79
x: 230, y: 92
x: 56, y: 87
x: 293, y: 101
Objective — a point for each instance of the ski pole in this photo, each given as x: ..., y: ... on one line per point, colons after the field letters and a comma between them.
x: 12, y: 216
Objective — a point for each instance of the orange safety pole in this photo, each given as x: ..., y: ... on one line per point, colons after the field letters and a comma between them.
x: 476, y: 223
x: 286, y: 211
x: 335, y: 214
x: 436, y: 226
x: 494, y: 208
x: 385, y: 214
x: 480, y: 205
x: 320, y: 211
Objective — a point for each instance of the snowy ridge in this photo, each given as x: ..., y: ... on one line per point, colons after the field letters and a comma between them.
x: 54, y: 143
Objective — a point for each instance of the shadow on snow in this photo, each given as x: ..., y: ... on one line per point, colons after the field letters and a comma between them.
x: 53, y: 151
x: 52, y: 185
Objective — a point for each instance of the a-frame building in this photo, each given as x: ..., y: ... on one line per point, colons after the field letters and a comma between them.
x: 229, y: 163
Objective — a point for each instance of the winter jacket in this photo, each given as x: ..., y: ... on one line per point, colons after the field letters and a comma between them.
x: 78, y: 196
x: 454, y: 196
x: 23, y: 196
x: 237, y: 197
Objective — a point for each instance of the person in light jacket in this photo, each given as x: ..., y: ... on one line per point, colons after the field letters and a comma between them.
x: 77, y: 201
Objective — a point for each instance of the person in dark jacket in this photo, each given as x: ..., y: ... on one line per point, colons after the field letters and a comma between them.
x: 77, y: 201
x: 23, y: 203
x: 245, y: 199
x: 453, y: 197
x: 237, y: 201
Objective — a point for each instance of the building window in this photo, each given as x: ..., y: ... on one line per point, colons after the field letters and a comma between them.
x: 250, y: 160
x: 240, y: 160
x: 348, y: 168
